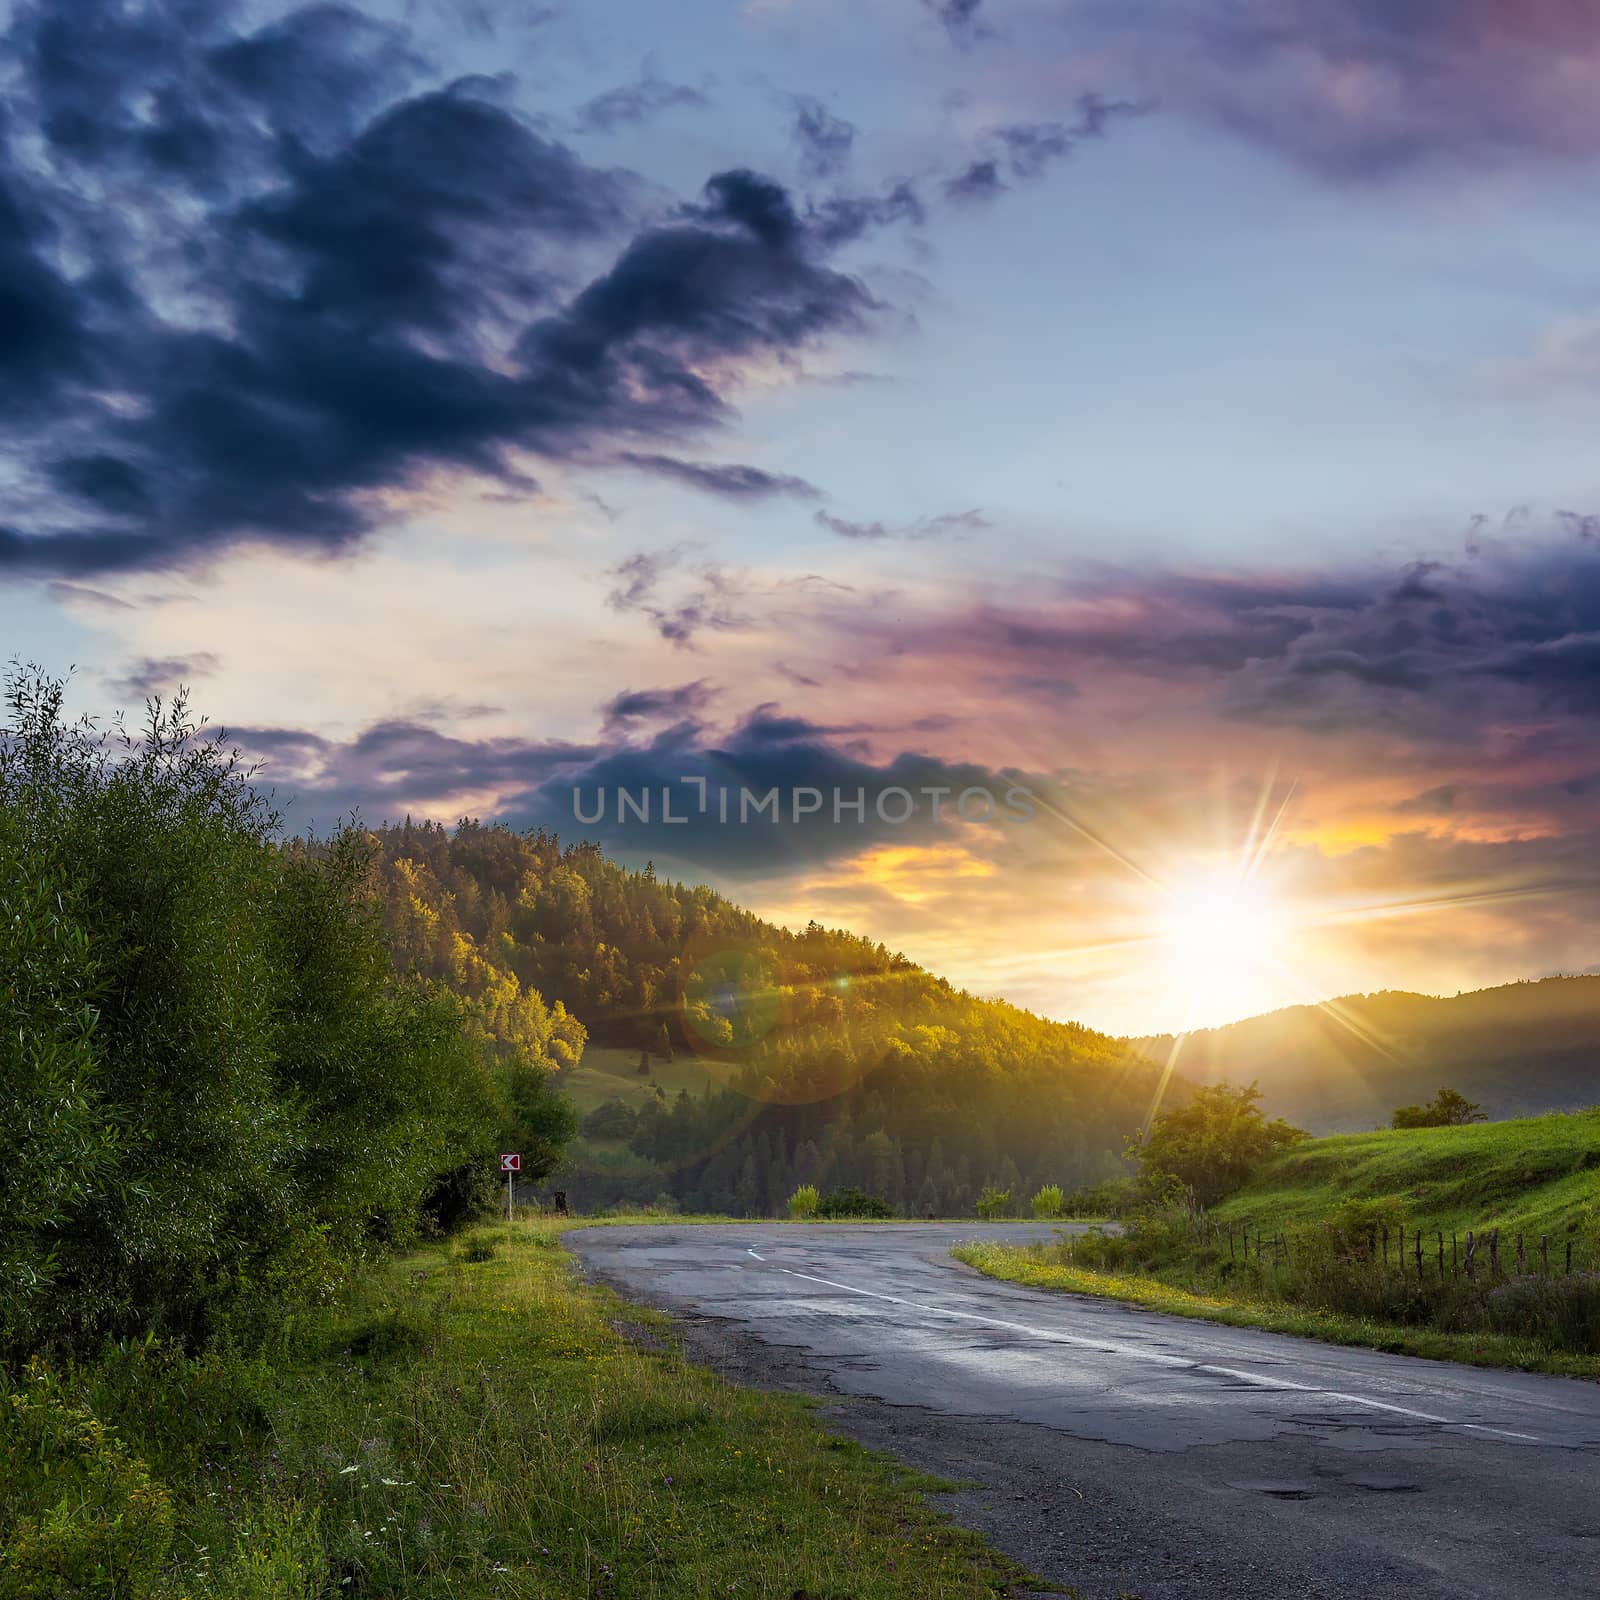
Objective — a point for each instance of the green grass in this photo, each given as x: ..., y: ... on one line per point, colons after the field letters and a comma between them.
x: 1042, y: 1268
x: 471, y: 1421
x: 1533, y: 1176
x: 608, y: 1074
x: 1536, y: 1174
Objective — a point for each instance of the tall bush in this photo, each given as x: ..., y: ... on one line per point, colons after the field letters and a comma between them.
x: 213, y: 1092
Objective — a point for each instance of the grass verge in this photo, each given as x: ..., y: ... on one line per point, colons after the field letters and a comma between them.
x: 1536, y: 1175
x: 1041, y: 1267
x: 471, y: 1421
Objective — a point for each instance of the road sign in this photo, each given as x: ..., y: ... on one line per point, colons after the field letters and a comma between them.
x: 510, y: 1164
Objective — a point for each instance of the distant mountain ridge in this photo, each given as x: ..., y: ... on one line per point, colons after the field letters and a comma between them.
x: 1344, y: 1065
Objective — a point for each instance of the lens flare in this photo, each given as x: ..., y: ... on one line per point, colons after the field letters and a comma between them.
x: 1220, y: 923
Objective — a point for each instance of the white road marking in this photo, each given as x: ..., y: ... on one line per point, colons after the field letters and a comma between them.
x: 1137, y: 1353
x: 1505, y: 1433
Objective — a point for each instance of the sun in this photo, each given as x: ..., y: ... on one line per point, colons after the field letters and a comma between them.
x: 1221, y: 923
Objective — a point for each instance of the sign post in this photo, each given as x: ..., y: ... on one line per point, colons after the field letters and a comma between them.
x: 510, y: 1164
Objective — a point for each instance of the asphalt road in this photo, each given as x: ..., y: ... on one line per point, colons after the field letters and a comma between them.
x: 1121, y: 1453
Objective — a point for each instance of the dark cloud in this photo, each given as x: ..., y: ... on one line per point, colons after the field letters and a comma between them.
x: 841, y: 219
x: 625, y: 712
x: 1564, y: 671
x: 79, y: 593
x: 979, y: 181
x: 1026, y: 150
x: 402, y: 766
x: 731, y: 481
x: 851, y: 530
x: 174, y: 92
x: 826, y: 141
x: 960, y: 18
x: 947, y: 523
x: 680, y: 599
x: 1364, y: 89
x: 395, y: 767
x: 632, y: 103
x: 316, y: 289
x: 160, y: 676
x: 1438, y: 651
x: 801, y: 680
x: 768, y: 751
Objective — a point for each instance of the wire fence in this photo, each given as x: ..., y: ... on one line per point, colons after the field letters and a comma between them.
x: 1426, y: 1252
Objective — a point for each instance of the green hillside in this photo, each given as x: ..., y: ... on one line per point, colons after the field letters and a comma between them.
x: 1536, y: 1174
x: 778, y: 1056
x: 606, y: 1073
x: 1344, y: 1065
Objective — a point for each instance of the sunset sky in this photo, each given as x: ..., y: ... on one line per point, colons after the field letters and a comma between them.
x: 1184, y: 410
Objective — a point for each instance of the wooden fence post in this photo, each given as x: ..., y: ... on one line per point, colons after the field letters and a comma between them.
x: 1494, y: 1251
x: 1569, y: 1258
x: 1472, y: 1250
x: 1441, y: 1255
x: 1455, y: 1260
x: 1386, y: 1247
x: 1522, y: 1260
x: 1417, y: 1251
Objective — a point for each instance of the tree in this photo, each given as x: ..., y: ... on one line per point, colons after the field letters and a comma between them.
x: 1447, y: 1109
x: 215, y: 1092
x: 853, y: 1202
x: 1211, y: 1145
x: 613, y: 1120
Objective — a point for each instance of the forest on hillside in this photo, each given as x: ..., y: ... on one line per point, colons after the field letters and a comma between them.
x: 835, y: 1061
x: 1342, y: 1066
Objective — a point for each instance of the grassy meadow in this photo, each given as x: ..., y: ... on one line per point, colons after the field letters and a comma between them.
x: 1327, y: 1215
x: 470, y: 1420
x: 606, y: 1074
x: 1534, y: 1175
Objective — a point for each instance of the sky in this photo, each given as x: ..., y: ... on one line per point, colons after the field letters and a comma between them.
x: 1154, y: 437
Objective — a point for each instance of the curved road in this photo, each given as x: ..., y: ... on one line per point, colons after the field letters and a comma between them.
x: 1122, y: 1453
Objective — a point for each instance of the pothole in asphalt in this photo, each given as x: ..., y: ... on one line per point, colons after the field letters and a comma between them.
x: 1278, y: 1490
x: 1379, y: 1484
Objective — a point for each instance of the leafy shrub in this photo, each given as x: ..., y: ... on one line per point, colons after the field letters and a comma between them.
x: 993, y: 1203
x: 1112, y: 1197
x: 1358, y: 1227
x: 803, y: 1202
x: 81, y: 1518
x: 1564, y: 1312
x: 214, y: 1093
x: 853, y: 1202
x: 1048, y: 1201
x: 1447, y: 1109
x: 1208, y: 1147
x: 613, y: 1120
x: 479, y: 1249
x: 389, y: 1334
x: 1106, y: 1252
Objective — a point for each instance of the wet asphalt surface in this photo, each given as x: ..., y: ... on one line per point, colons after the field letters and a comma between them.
x: 1119, y: 1453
